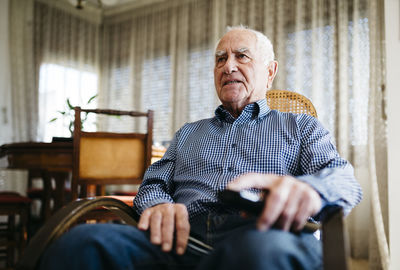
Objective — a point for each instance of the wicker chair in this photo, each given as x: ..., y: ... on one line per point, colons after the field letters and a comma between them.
x: 289, y: 101
x: 335, y: 247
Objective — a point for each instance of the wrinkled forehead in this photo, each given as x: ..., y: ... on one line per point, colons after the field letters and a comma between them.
x: 237, y: 40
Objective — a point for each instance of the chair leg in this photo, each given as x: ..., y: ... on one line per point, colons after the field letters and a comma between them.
x: 10, y: 261
x: 47, y: 187
x: 23, y: 237
x: 59, y: 196
x: 14, y: 236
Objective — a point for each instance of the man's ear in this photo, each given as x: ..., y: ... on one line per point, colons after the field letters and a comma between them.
x: 272, y: 70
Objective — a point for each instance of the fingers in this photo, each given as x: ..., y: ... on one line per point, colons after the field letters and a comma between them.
x: 163, y: 220
x: 289, y: 202
x: 300, y: 218
x: 167, y: 228
x: 274, y: 204
x: 155, y: 225
x: 310, y: 205
x: 182, y: 230
x: 291, y: 209
x: 144, y: 220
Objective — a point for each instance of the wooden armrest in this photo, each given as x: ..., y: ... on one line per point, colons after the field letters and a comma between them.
x: 335, y: 241
x: 66, y: 217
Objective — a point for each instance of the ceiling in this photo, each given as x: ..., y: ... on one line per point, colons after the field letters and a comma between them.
x: 113, y: 3
x: 110, y: 5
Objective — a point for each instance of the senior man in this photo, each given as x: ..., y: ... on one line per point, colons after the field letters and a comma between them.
x: 245, y: 145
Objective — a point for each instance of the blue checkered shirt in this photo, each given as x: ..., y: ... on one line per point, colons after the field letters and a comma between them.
x: 206, y: 155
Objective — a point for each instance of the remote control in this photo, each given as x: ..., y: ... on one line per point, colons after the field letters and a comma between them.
x: 254, y: 204
x: 243, y: 200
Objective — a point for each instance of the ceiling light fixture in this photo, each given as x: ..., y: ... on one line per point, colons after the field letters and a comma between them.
x: 79, y: 4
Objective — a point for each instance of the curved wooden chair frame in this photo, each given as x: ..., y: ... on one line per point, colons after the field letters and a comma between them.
x: 334, y: 238
x: 335, y: 243
x: 70, y: 215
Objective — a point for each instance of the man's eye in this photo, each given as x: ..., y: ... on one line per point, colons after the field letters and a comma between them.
x: 220, y: 59
x: 242, y: 56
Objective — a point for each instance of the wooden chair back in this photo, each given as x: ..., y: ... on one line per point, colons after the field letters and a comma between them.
x: 289, y: 101
x: 106, y: 158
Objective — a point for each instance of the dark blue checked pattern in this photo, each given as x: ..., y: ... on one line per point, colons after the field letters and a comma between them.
x: 205, y: 155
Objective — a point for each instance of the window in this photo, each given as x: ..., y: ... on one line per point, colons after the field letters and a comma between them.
x: 57, y: 84
x: 201, y: 85
x: 324, y: 68
x: 156, y: 84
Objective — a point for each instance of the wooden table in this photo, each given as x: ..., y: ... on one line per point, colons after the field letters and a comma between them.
x: 52, y: 160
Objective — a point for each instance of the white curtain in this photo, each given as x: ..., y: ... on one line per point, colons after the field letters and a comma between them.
x: 22, y: 92
x: 160, y: 57
x: 24, y: 81
x: 66, y: 49
x: 51, y: 48
x: 377, y: 141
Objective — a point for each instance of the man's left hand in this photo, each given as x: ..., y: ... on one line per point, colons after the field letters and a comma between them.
x: 289, y: 202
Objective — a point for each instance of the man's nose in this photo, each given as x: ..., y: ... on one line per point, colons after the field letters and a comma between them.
x: 230, y: 65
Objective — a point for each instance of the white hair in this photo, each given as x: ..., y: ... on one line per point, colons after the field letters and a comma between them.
x: 263, y: 43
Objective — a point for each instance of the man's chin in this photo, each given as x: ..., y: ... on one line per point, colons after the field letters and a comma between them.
x: 231, y: 99
x: 231, y: 95
x: 237, y: 87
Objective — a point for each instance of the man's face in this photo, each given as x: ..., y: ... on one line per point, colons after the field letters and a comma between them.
x: 240, y: 75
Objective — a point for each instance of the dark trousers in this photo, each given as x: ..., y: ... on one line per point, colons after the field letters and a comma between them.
x: 237, y: 245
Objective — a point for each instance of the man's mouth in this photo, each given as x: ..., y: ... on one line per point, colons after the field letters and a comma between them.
x: 231, y: 82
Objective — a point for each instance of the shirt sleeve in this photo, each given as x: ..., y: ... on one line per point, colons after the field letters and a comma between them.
x: 323, y: 168
x: 157, y: 183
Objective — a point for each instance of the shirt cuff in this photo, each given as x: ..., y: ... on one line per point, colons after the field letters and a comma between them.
x: 318, y: 181
x: 142, y: 207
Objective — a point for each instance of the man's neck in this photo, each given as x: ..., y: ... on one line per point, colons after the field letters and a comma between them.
x: 236, y: 109
x: 235, y: 112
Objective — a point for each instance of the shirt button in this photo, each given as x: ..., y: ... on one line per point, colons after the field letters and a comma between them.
x: 234, y: 145
x: 230, y: 169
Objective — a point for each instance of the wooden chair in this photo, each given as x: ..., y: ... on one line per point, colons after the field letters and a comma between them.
x: 13, y: 236
x: 38, y: 194
x: 105, y: 158
x: 335, y: 245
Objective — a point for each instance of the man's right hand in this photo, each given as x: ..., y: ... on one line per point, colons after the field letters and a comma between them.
x: 163, y: 220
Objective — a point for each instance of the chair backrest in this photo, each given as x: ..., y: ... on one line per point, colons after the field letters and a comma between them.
x: 106, y: 158
x: 289, y: 101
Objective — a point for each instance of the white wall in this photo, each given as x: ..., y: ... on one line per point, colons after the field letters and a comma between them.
x: 392, y: 30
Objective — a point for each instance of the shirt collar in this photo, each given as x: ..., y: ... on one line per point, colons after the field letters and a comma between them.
x: 256, y: 110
